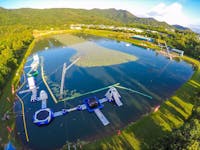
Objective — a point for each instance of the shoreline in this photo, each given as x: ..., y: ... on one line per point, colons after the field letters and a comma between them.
x: 127, y: 126
x: 107, y: 141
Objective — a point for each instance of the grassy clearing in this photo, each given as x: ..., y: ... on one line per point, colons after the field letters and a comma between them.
x: 92, y: 54
x: 172, y: 114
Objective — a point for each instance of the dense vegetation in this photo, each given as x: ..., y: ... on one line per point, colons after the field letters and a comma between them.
x: 186, y: 40
x: 14, y: 41
x: 44, y: 18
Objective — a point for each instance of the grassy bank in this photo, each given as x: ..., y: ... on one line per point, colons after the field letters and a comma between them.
x: 172, y: 114
x: 121, y: 36
x: 7, y: 100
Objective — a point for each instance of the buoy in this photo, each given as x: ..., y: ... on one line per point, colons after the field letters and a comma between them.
x: 156, y: 108
x: 13, y: 89
x: 118, y: 132
x: 8, y: 99
x: 9, y: 129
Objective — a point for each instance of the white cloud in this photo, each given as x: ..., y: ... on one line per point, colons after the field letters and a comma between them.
x: 172, y: 14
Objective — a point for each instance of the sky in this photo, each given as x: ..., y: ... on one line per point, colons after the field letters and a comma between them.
x: 182, y: 12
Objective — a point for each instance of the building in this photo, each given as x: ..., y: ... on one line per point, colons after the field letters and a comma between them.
x: 76, y: 27
x: 139, y: 37
x: 177, y: 51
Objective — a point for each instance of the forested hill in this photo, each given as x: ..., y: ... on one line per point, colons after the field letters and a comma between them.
x: 62, y: 16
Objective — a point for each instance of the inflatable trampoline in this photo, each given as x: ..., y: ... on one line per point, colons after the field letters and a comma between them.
x: 43, y: 116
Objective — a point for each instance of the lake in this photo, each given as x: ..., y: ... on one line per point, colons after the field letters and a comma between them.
x: 103, y: 62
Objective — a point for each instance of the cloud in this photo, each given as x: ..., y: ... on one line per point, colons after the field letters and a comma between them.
x: 172, y: 14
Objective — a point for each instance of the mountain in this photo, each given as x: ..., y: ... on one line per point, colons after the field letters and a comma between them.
x: 179, y: 27
x: 61, y: 16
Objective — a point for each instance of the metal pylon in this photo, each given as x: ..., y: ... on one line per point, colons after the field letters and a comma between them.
x: 63, y: 80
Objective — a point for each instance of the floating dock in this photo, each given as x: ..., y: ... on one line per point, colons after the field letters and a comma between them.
x: 43, y: 98
x: 113, y: 95
x: 30, y: 78
x: 31, y: 83
x: 101, y: 117
x: 44, y: 115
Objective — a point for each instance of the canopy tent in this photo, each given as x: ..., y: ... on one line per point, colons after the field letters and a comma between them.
x: 9, y: 146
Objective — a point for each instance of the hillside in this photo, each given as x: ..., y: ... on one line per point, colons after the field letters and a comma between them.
x: 63, y: 16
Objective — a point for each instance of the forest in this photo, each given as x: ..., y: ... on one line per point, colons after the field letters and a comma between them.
x: 14, y: 41
x: 185, y: 40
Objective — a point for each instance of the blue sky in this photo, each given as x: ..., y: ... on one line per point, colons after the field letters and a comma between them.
x: 183, y: 12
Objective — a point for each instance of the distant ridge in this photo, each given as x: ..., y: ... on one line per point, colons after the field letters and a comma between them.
x: 179, y: 27
x: 61, y: 16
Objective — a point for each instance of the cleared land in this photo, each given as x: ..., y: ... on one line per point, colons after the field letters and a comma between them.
x: 92, y: 54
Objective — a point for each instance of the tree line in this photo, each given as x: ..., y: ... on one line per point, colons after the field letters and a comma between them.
x: 185, y: 40
x: 14, y: 41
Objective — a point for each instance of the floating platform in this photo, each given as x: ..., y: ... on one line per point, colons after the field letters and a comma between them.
x: 32, y: 73
x: 101, y: 117
x: 43, y: 116
x: 34, y: 65
x: 92, y: 104
x: 113, y: 96
x: 43, y: 98
x: 31, y: 83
